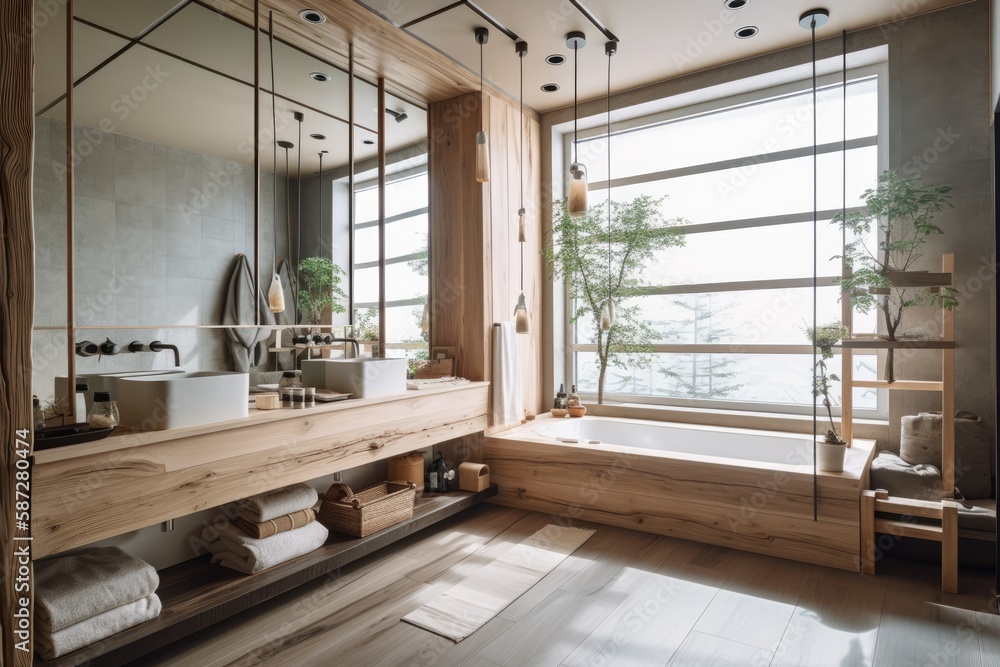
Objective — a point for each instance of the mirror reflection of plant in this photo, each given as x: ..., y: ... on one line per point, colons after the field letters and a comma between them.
x: 319, y: 279
x: 824, y: 337
x: 366, y: 324
x: 579, y: 255
x: 902, y: 211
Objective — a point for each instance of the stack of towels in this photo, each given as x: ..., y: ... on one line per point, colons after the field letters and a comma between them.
x: 269, y: 529
x: 90, y: 596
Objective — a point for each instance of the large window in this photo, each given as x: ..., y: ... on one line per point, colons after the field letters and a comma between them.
x: 730, y: 306
x: 406, y: 277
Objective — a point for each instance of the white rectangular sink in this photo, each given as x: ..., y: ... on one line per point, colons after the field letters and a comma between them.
x: 161, y: 402
x: 363, y: 377
x: 104, y: 382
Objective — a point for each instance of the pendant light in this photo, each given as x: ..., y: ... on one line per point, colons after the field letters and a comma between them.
x: 299, y: 117
x: 608, y: 309
x: 275, y: 293
x: 522, y: 323
x: 577, y: 172
x: 482, y: 139
x: 321, y: 225
x: 811, y: 20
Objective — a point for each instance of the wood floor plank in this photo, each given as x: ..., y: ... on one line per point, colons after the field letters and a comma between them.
x: 699, y: 650
x: 549, y: 633
x: 756, y: 602
x: 702, y: 563
x: 653, y: 615
x: 989, y: 638
x: 598, y: 573
x: 833, y: 624
x: 440, y: 652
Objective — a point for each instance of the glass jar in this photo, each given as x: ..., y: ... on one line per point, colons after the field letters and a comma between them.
x: 104, y: 412
x: 289, y: 379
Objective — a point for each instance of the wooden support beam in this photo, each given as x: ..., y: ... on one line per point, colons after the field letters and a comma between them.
x: 868, y: 556
x: 949, y: 547
x: 17, y: 274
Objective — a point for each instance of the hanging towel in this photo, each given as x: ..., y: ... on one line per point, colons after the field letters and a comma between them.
x: 507, y: 403
x: 279, y: 502
x: 94, y: 629
x: 247, y: 347
x: 234, y: 549
x: 74, y: 588
x: 281, y: 524
x: 289, y: 316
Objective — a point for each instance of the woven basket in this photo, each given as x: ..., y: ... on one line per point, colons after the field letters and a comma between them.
x: 369, y: 510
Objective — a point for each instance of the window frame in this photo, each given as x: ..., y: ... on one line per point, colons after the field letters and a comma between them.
x: 878, y: 72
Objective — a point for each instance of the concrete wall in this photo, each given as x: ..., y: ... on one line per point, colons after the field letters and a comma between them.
x: 157, y: 229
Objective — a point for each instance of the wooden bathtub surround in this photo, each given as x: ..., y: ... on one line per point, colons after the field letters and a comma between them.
x: 766, y: 508
x: 945, y: 512
x: 91, y: 492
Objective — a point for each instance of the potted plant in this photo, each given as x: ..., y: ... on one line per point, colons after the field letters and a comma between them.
x: 830, y: 448
x: 902, y: 210
x: 320, y: 279
x: 603, y: 265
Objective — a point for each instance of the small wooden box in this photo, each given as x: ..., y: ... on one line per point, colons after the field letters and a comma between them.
x: 409, y: 467
x: 473, y: 477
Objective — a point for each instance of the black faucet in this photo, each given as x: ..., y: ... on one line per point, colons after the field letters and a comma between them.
x: 156, y: 346
x: 352, y: 341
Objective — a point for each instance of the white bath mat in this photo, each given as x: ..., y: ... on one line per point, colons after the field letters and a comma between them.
x: 466, y: 607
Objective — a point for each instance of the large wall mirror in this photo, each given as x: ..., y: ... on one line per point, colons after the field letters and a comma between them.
x: 166, y: 198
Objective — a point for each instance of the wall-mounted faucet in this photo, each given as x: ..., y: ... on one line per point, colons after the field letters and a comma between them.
x: 156, y: 346
x: 86, y: 348
x: 109, y: 348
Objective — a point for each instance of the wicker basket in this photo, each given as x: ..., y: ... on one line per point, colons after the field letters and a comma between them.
x: 369, y: 510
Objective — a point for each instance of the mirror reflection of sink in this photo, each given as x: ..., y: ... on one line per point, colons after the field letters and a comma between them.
x: 161, y: 402
x: 363, y: 377
x: 105, y: 382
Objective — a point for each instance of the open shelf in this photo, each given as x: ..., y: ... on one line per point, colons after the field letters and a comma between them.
x: 919, y: 279
x: 900, y: 385
x: 196, y: 594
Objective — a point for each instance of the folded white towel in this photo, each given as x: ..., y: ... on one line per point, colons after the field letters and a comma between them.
x: 272, y: 504
x: 94, y: 629
x: 235, y: 549
x: 507, y: 406
x: 73, y: 588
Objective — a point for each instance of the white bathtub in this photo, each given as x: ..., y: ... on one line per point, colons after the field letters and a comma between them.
x: 730, y: 443
x: 740, y: 488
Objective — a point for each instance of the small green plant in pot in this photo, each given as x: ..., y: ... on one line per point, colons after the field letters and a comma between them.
x: 832, y: 447
x: 902, y: 211
x: 319, y: 279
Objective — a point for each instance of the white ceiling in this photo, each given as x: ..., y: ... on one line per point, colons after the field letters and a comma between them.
x: 195, y: 109
x: 660, y: 39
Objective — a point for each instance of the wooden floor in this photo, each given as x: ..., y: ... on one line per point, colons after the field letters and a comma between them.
x: 624, y: 598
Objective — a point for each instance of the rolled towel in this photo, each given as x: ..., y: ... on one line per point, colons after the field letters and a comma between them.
x: 282, y: 524
x: 74, y: 588
x: 94, y: 629
x: 272, y: 504
x: 234, y: 549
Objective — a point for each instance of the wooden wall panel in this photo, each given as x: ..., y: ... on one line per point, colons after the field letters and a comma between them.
x: 475, y: 257
x: 16, y: 309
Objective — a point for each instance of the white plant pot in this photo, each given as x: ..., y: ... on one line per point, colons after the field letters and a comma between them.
x: 830, y: 458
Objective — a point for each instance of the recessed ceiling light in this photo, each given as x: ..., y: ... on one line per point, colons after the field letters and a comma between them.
x: 747, y: 32
x: 550, y: 87
x: 318, y: 136
x: 320, y: 76
x: 555, y: 59
x: 368, y: 142
x: 312, y: 16
x: 736, y: 4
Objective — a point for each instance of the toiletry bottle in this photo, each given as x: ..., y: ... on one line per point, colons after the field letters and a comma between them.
x: 573, y: 400
x: 561, y: 402
x: 39, y: 414
x: 432, y: 476
x: 82, y: 388
x: 104, y: 413
x: 289, y: 379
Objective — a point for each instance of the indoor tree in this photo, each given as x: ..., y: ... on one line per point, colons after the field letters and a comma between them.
x: 320, y: 288
x: 823, y: 338
x: 579, y: 254
x: 902, y: 211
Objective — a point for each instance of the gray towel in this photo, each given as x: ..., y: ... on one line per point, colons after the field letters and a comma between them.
x: 238, y: 551
x: 96, y: 628
x: 247, y: 347
x: 272, y: 504
x: 74, y: 588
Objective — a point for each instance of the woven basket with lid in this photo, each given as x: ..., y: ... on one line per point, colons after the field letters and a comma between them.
x: 369, y: 510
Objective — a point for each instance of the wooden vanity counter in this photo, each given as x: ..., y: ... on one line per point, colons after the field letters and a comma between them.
x: 93, y: 491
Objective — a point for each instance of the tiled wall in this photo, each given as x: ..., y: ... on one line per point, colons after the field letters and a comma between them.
x: 157, y: 230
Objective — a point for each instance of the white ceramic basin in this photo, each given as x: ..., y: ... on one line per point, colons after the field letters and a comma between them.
x: 161, y: 402
x: 364, y: 377
x: 105, y: 382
